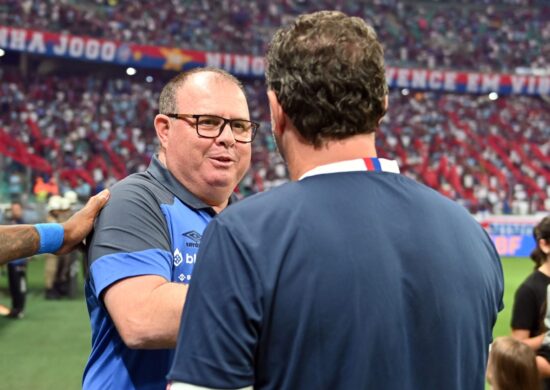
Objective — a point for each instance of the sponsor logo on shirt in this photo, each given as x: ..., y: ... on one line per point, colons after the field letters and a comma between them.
x: 194, y: 237
x: 178, y: 258
x: 184, y: 277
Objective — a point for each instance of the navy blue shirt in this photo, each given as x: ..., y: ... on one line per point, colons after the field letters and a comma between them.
x: 349, y: 280
x: 151, y: 226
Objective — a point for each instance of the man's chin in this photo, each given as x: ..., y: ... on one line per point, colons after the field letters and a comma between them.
x: 221, y: 181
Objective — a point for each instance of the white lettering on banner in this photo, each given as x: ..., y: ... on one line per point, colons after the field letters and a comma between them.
x: 239, y: 64
x: 242, y: 65
x: 390, y: 75
x: 544, y: 86
x: 419, y: 78
x: 190, y: 259
x: 227, y: 65
x: 517, y: 83
x: 92, y: 49
x: 108, y: 51
x: 472, y: 82
x: 37, y: 43
x: 61, y: 47
x: 3, y: 37
x: 450, y: 81
x: 17, y: 39
x: 214, y: 60
x: 258, y: 66
x: 403, y: 78
x: 435, y: 79
x: 76, y: 47
x: 490, y: 83
x: 531, y: 85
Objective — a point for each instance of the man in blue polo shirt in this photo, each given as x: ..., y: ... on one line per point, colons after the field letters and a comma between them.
x: 145, y: 242
x: 352, y: 276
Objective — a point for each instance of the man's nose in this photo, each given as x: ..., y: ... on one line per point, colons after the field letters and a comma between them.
x: 226, y: 137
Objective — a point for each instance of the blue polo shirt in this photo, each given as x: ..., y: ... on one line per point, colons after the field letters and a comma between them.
x: 151, y: 226
x: 354, y: 277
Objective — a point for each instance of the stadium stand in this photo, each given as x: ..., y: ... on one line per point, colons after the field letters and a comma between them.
x: 87, y: 126
x: 482, y: 35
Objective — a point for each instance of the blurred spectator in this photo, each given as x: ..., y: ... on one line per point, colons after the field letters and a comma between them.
x: 17, y: 269
x: 491, y: 156
x: 512, y: 366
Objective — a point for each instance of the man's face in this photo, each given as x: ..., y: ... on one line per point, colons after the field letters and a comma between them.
x: 209, y: 167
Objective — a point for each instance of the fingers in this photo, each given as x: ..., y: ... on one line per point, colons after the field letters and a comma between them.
x: 96, y: 202
x: 79, y: 225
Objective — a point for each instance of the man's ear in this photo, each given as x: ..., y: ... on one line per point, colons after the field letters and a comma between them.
x: 278, y: 117
x: 386, y: 104
x: 162, y: 126
x: 544, y: 246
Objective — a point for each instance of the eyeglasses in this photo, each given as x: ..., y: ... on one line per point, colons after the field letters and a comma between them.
x: 211, y: 126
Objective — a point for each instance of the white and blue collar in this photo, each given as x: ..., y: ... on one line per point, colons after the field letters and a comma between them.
x: 357, y: 165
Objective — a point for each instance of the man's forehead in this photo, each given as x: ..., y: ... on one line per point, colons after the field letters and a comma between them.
x: 205, y: 80
x: 205, y: 90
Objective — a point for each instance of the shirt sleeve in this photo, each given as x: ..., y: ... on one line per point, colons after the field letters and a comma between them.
x: 524, y: 311
x: 221, y: 318
x: 130, y: 238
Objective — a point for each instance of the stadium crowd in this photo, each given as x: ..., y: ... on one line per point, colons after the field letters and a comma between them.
x: 94, y: 131
x: 487, y: 36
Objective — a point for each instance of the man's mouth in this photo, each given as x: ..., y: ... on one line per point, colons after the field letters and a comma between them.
x: 222, y: 160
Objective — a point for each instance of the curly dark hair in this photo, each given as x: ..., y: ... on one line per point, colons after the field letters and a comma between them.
x: 541, y: 231
x: 327, y: 70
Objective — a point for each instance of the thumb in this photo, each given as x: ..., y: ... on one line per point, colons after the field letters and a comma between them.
x: 96, y: 202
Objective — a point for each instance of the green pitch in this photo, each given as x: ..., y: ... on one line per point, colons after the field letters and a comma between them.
x: 49, y: 347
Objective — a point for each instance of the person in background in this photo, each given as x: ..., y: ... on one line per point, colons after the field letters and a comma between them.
x: 530, y: 297
x: 541, y: 342
x: 512, y: 366
x: 17, y: 269
x: 19, y: 241
x: 58, y: 211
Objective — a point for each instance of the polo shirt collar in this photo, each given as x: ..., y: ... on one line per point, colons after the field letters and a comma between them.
x: 356, y: 165
x: 164, y: 177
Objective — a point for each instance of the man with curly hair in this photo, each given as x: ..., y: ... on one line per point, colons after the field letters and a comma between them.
x: 352, y: 276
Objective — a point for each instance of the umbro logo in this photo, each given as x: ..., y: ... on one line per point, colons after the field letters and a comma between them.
x: 193, y: 235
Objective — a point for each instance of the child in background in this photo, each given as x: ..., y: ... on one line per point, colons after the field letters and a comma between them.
x: 512, y: 366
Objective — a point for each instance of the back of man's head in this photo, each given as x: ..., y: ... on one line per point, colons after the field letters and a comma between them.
x: 327, y: 70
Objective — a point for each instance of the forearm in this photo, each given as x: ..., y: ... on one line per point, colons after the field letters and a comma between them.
x: 158, y: 320
x: 534, y: 342
x: 18, y: 241
x: 523, y: 336
x: 150, y: 319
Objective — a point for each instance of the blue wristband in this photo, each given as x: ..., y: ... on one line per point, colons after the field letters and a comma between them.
x: 51, y: 237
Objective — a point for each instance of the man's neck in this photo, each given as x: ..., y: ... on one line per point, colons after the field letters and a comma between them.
x: 303, y: 157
